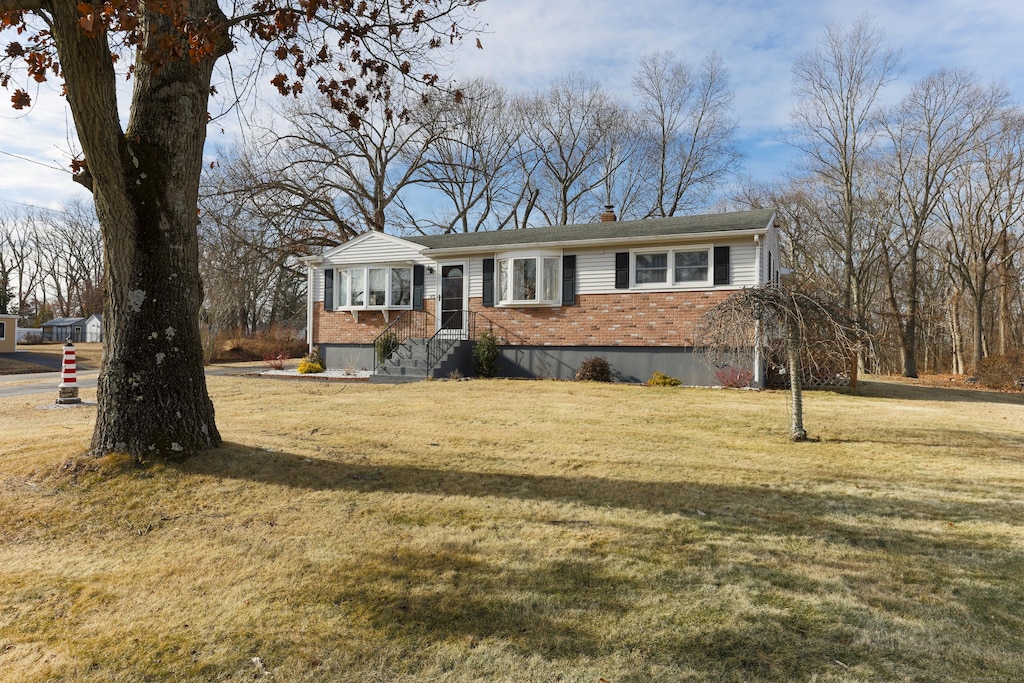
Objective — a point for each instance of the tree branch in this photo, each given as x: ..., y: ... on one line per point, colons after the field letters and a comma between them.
x: 21, y: 5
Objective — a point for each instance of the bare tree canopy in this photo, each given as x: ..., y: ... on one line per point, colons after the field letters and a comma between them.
x: 913, y: 213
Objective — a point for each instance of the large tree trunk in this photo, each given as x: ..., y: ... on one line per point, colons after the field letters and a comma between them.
x: 152, y: 395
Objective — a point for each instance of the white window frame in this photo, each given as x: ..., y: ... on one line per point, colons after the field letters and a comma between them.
x: 538, y: 301
x: 3, y: 329
x: 670, y: 268
x: 343, y: 279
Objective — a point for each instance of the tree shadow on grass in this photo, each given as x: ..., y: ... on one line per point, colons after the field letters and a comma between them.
x: 915, y: 392
x: 817, y: 511
x: 445, y: 595
x: 887, y: 566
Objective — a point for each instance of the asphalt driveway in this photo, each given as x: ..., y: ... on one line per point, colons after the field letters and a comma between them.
x: 50, y: 361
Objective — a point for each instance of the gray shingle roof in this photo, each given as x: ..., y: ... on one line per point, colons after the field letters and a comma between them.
x: 651, y: 227
x: 61, y: 322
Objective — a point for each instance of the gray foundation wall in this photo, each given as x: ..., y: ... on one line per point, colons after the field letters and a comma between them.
x: 347, y: 356
x: 633, y: 364
x: 629, y: 364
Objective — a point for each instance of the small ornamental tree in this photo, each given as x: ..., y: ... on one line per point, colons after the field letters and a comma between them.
x: 784, y: 323
x: 144, y: 176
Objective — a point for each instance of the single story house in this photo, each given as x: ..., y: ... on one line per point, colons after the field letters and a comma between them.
x: 77, y: 329
x: 8, y: 333
x: 629, y: 291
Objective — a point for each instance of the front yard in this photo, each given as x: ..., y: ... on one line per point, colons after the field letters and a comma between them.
x: 523, y: 531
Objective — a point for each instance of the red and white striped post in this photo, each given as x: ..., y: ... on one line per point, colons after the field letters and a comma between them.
x: 68, y: 389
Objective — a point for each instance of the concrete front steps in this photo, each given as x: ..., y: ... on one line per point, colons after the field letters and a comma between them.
x: 409, y: 363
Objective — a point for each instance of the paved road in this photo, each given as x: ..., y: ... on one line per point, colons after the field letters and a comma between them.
x: 45, y: 360
x: 46, y: 382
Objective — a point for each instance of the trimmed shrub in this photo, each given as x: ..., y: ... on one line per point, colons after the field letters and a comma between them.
x: 385, y: 346
x: 485, y: 354
x: 594, y: 369
x: 734, y: 378
x: 311, y: 363
x: 660, y: 379
x: 1001, y: 372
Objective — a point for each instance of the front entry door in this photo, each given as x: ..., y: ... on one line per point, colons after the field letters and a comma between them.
x: 452, y: 288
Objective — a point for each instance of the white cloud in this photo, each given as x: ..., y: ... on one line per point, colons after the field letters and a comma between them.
x: 531, y: 42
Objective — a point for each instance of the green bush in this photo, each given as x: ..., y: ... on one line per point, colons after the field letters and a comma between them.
x: 485, y: 354
x: 660, y: 379
x: 594, y: 369
x: 385, y: 346
x: 1001, y: 372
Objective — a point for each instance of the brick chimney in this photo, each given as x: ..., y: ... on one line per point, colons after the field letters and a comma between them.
x: 609, y: 214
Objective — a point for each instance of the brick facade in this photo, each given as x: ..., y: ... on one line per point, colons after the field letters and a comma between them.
x: 626, y: 319
x: 338, y: 327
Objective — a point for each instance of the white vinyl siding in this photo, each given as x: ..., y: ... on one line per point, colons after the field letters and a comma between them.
x: 476, y: 278
x: 372, y: 249
x: 375, y: 248
x: 742, y: 263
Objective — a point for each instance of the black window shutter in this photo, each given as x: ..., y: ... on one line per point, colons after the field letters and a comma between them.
x: 488, y: 282
x: 329, y: 289
x: 721, y: 265
x: 569, y: 280
x: 622, y: 270
x: 417, y: 287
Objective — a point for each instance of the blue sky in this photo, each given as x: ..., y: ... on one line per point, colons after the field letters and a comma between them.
x: 529, y: 42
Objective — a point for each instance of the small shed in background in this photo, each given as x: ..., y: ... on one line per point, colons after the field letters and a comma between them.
x: 8, y: 333
x: 78, y: 329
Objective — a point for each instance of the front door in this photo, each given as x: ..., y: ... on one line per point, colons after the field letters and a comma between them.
x: 452, y: 288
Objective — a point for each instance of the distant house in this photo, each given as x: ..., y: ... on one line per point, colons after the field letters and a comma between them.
x: 77, y: 329
x: 8, y: 333
x: 629, y: 291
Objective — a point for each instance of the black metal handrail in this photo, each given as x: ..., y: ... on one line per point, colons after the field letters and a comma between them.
x: 456, y: 326
x: 409, y: 325
x: 449, y: 335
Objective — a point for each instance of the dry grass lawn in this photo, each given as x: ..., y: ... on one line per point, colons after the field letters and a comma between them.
x: 523, y: 531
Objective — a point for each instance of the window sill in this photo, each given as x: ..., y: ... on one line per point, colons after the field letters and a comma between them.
x: 384, y: 310
x: 528, y: 304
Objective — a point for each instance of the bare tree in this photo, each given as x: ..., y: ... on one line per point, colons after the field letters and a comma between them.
x: 837, y: 88
x: 689, y: 133
x: 931, y: 133
x: 985, y: 200
x: 809, y: 332
x: 247, y: 251
x: 349, y: 177
x: 572, y: 125
x: 71, y: 247
x: 472, y: 161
